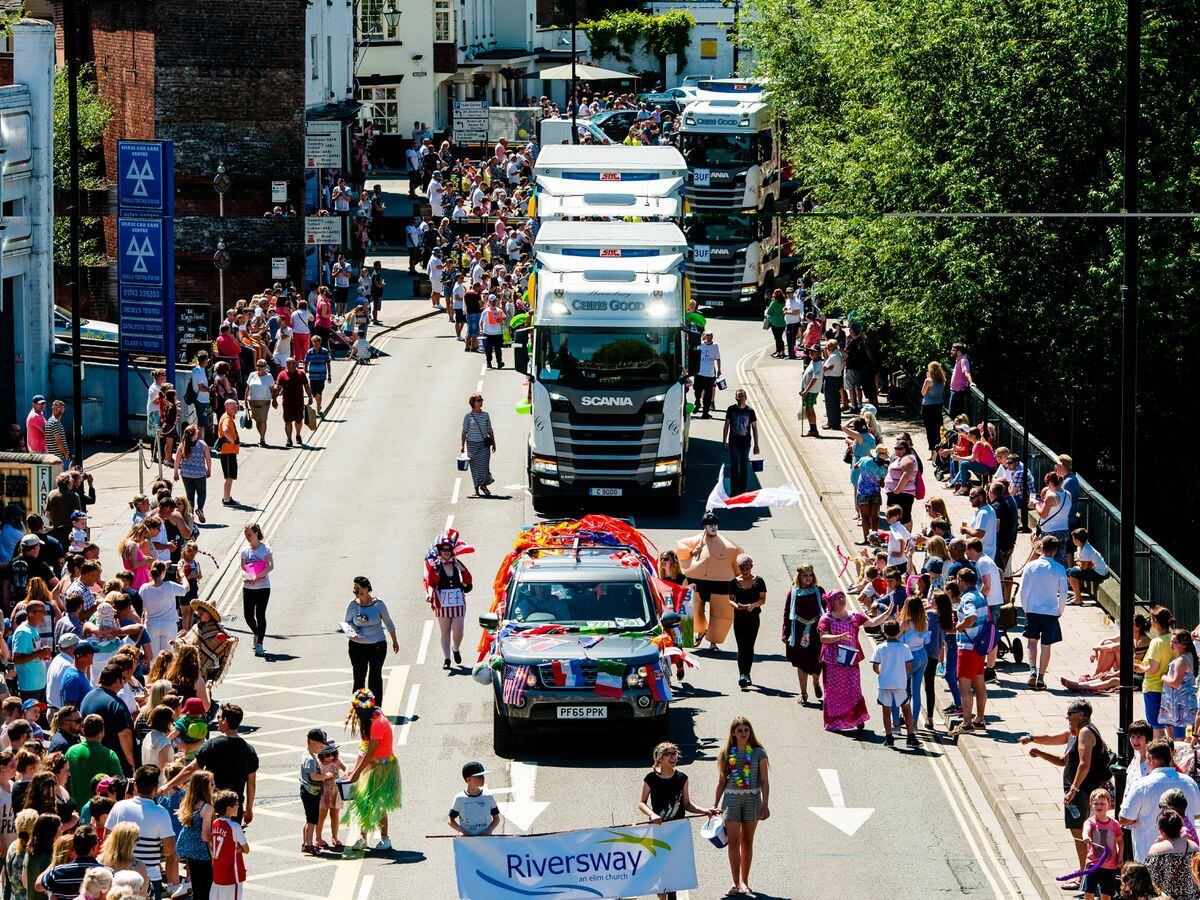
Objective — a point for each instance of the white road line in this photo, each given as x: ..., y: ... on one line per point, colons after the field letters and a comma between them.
x: 426, y: 634
x: 454, y: 493
x: 409, y: 712
x: 449, y: 522
x: 482, y: 368
x: 479, y: 386
x: 365, y: 890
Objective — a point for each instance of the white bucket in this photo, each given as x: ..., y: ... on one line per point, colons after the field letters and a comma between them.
x: 713, y: 831
x: 463, y: 463
x: 344, y: 788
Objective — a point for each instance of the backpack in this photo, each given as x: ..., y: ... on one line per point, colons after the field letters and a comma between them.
x: 18, y: 579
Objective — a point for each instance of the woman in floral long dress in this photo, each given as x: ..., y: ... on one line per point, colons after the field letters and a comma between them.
x: 844, y: 707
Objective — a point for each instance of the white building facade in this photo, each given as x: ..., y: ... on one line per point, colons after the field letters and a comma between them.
x: 27, y: 238
x: 329, y: 53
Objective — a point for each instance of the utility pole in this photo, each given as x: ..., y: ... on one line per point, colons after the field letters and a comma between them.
x: 737, y: 10
x: 1129, y: 366
x: 574, y: 78
x: 71, y: 51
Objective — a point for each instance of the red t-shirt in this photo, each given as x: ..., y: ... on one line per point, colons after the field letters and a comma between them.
x: 228, y: 864
x: 381, y: 733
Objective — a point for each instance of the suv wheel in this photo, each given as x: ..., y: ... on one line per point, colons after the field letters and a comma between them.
x: 504, y: 739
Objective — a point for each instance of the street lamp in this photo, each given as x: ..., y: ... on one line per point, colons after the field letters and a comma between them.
x: 71, y: 51
x: 391, y: 15
x: 574, y: 99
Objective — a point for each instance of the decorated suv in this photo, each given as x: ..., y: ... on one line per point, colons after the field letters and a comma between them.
x: 578, y: 633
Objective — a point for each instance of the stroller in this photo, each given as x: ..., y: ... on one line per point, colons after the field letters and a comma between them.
x: 1006, y: 621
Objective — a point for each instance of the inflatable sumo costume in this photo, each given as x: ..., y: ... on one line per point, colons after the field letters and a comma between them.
x: 709, y: 562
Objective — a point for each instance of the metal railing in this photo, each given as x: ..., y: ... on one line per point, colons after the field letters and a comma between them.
x: 1160, y: 579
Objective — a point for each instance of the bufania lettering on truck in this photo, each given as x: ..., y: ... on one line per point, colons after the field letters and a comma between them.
x: 606, y: 401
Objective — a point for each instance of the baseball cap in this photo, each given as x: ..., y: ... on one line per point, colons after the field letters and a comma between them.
x: 78, y: 514
x: 68, y: 640
x: 84, y: 647
x: 474, y: 770
x: 317, y: 734
x: 193, y: 706
x: 30, y: 540
x: 30, y: 704
x: 38, y: 398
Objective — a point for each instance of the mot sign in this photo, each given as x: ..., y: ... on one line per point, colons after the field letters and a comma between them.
x: 145, y: 283
x: 146, y: 177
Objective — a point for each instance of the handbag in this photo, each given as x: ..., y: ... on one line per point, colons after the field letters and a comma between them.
x: 766, y: 323
x: 244, y: 420
x: 310, y: 417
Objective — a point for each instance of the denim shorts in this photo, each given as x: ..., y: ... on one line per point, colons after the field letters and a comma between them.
x: 1153, y: 701
x: 473, y: 324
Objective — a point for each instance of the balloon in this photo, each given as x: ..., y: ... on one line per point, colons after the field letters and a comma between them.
x: 482, y: 673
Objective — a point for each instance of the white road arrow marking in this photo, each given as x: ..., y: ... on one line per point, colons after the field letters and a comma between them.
x: 846, y: 819
x: 522, y: 810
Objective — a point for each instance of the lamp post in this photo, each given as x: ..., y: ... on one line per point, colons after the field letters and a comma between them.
x: 574, y: 78
x: 71, y: 51
x: 1129, y: 363
x: 391, y: 16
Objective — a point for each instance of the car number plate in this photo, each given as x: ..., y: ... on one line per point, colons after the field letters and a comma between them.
x: 583, y: 712
x: 605, y: 492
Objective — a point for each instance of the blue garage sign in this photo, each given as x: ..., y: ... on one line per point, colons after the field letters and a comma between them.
x: 146, y: 284
x: 146, y: 177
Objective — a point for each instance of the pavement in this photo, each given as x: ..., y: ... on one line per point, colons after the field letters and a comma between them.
x: 377, y: 483
x: 1025, y: 794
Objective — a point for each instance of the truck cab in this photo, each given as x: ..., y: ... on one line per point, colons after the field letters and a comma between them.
x: 597, y: 182
x: 608, y: 361
x: 578, y: 589
x: 733, y: 258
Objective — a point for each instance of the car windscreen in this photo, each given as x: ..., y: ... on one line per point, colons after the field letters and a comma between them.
x: 621, y: 604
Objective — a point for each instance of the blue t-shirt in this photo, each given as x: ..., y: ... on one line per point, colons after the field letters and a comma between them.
x: 31, y: 676
x: 74, y: 687
x: 972, y: 603
x: 870, y: 477
x: 316, y: 364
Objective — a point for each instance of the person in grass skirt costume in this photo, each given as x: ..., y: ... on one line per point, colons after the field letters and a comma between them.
x: 376, y: 775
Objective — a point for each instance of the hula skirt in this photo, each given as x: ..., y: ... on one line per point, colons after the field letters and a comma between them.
x: 375, y: 794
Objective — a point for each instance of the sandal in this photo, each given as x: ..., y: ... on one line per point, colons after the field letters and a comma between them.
x: 817, y: 690
x: 337, y: 847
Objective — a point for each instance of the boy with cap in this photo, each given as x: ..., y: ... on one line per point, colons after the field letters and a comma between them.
x: 474, y: 811
x: 311, y: 787
x: 79, y: 531
x: 75, y: 685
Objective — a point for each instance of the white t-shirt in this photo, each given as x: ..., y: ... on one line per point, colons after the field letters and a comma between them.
x: 493, y: 321
x: 54, y: 678
x: 835, y: 364
x: 985, y: 565
x: 898, y: 539
x: 341, y: 275
x: 459, y: 291
x: 435, y: 274
x: 435, y: 194
x: 154, y: 826
x: 200, y: 384
x: 813, y: 377
x: 159, y: 603
x: 793, y: 311
x: 412, y: 235
x: 300, y: 321
x: 985, y: 520
x: 474, y: 814
x: 1088, y: 553
x: 892, y: 657
x: 255, y: 554
x: 1141, y: 804
x: 709, y: 354
x: 413, y: 159
x: 258, y: 387
x: 152, y: 398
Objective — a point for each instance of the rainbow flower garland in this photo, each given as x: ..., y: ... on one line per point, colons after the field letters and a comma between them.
x: 742, y: 777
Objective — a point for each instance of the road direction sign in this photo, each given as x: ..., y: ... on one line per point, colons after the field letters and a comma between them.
x: 471, y: 120
x: 146, y: 177
x: 322, y: 229
x: 323, y: 145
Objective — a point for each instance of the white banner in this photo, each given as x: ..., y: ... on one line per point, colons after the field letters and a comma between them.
x: 633, y: 861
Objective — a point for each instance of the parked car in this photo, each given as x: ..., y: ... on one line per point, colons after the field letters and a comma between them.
x: 89, y: 329
x: 614, y: 122
x: 671, y: 101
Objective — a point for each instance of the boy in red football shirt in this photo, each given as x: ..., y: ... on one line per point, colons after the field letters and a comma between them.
x: 228, y: 849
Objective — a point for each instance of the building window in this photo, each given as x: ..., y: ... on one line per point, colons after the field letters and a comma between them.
x: 371, y: 24
x: 708, y: 48
x: 312, y: 52
x: 381, y: 105
x: 443, y: 21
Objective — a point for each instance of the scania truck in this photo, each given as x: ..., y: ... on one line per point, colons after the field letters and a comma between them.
x: 609, y: 182
x: 608, y: 361
x: 728, y: 138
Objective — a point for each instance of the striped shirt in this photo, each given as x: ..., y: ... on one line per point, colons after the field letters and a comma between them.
x: 477, y: 426
x: 316, y: 364
x: 54, y: 433
x: 63, y: 881
x: 154, y: 826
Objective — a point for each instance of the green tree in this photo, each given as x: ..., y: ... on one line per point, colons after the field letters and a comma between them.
x: 94, y: 114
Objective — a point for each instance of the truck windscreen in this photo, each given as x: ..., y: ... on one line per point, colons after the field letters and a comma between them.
x: 702, y: 148
x: 721, y: 229
x: 622, y: 604
x: 580, y: 359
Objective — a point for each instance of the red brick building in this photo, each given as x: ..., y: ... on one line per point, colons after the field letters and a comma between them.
x: 224, y: 80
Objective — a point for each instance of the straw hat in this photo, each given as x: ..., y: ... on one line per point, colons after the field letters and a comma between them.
x: 206, y: 606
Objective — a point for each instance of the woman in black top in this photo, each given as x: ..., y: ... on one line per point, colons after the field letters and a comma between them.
x: 748, y: 593
x: 665, y: 795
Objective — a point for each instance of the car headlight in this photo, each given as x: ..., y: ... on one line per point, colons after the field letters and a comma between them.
x: 633, y: 679
x: 542, y: 465
x: 669, y: 466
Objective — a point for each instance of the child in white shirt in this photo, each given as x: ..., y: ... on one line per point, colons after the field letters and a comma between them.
x: 892, y: 661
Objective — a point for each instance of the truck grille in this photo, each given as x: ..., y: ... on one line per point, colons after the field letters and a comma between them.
x: 546, y: 675
x: 722, y: 197
x: 606, y: 447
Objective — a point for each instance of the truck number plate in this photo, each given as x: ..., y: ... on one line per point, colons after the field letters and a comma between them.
x: 605, y: 492
x: 701, y: 177
x: 583, y: 712
x: 701, y: 253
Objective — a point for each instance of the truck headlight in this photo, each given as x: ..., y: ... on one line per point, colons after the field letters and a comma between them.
x: 668, y: 466
x: 543, y: 465
x: 633, y: 679
x: 748, y: 289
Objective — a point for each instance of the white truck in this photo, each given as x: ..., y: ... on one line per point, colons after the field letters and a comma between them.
x: 728, y: 137
x: 608, y: 362
x: 609, y: 182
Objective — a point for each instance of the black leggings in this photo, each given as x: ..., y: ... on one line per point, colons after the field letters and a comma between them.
x: 930, y: 677
x: 931, y: 416
x: 200, y: 874
x: 777, y: 333
x: 366, y: 660
x: 254, y: 609
x: 793, y: 331
x: 745, y: 633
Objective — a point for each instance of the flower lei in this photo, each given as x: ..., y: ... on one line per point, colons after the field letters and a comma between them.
x: 741, y: 777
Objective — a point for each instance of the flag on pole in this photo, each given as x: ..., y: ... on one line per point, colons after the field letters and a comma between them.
x: 660, y: 687
x: 610, y: 676
x: 514, y: 683
x: 785, y: 495
x: 567, y: 672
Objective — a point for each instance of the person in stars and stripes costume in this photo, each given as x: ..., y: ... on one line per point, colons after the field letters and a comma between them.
x: 376, y: 775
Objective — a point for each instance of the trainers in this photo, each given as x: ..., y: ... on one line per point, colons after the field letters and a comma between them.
x: 1032, y: 679
x: 358, y: 845
x: 911, y: 741
x: 1040, y: 684
x: 889, y: 741
x: 384, y: 844
x: 989, y: 674
x: 941, y: 669
x: 258, y: 650
x: 183, y: 890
